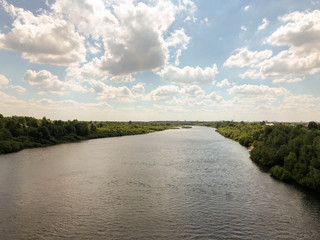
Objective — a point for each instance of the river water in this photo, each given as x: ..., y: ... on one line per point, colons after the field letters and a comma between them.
x: 175, y: 184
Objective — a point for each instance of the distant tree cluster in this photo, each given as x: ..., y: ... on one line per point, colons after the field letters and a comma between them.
x: 19, y: 132
x: 291, y: 152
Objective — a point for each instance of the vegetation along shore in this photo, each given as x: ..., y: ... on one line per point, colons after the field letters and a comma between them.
x: 19, y: 132
x: 290, y: 152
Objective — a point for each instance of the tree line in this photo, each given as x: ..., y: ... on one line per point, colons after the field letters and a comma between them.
x: 19, y: 132
x: 290, y: 152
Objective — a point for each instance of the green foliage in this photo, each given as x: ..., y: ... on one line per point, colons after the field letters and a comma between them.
x: 291, y: 152
x: 10, y: 146
x: 17, y: 133
x: 280, y: 173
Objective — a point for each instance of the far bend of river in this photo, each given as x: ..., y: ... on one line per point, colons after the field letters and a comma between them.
x: 175, y: 184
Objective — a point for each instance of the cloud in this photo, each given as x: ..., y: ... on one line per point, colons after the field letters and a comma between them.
x: 291, y: 80
x: 3, y: 80
x: 47, y: 83
x: 243, y: 28
x: 138, y: 89
x: 186, y: 96
x: 264, y: 24
x: 301, y: 34
x: 164, y: 93
x: 189, y: 75
x: 223, y: 83
x: 248, y: 90
x: 90, y: 17
x: 108, y: 92
x: 245, y: 58
x: 178, y: 37
x: 246, y: 8
x: 251, y: 73
x: 19, y: 89
x: 43, y: 39
x: 192, y: 91
x: 137, y: 43
x: 8, y: 102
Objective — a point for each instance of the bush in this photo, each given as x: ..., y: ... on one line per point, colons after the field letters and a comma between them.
x: 10, y: 146
x: 280, y: 173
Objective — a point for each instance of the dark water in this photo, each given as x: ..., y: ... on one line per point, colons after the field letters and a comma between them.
x: 176, y: 184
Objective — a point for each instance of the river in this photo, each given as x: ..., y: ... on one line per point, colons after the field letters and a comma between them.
x: 175, y: 184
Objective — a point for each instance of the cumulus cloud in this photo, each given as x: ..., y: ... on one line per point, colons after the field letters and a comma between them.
x: 178, y: 37
x: 138, y: 43
x: 251, y: 73
x: 223, y: 83
x: 257, y: 90
x: 47, y: 83
x: 43, y: 38
x: 164, y: 93
x: 138, y: 89
x: 18, y: 89
x: 264, y: 24
x: 189, y: 75
x: 132, y: 35
x: 301, y: 34
x: 8, y: 102
x: 108, y: 92
x: 91, y: 17
x: 245, y: 58
x: 290, y: 80
x: 3, y: 80
x: 191, y: 96
x: 192, y: 91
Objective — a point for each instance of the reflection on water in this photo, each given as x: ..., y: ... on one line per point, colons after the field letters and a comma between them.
x: 176, y: 184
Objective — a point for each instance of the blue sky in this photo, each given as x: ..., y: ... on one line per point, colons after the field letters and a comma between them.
x: 160, y: 60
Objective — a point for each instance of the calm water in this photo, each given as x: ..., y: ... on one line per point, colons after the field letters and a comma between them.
x: 176, y: 184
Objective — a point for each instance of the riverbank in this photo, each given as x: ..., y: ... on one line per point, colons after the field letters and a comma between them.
x: 289, y: 152
x: 17, y: 133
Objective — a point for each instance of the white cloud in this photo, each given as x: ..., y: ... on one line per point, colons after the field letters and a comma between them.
x: 291, y: 80
x: 178, y: 37
x: 187, y: 96
x: 243, y: 28
x: 9, y: 103
x: 125, y: 78
x: 248, y: 90
x: 192, y: 91
x: 164, y: 93
x: 215, y: 97
x: 245, y: 57
x: 47, y: 83
x: 178, y: 54
x: 301, y: 34
x: 138, y: 89
x: 246, y: 8
x: 251, y: 73
x: 90, y: 17
x: 189, y: 75
x: 43, y: 38
x: 137, y: 43
x: 264, y: 24
x: 223, y: 83
x: 3, y: 80
x: 19, y: 89
x: 108, y: 92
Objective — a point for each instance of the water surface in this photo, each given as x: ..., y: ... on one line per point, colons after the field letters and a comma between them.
x: 176, y: 184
